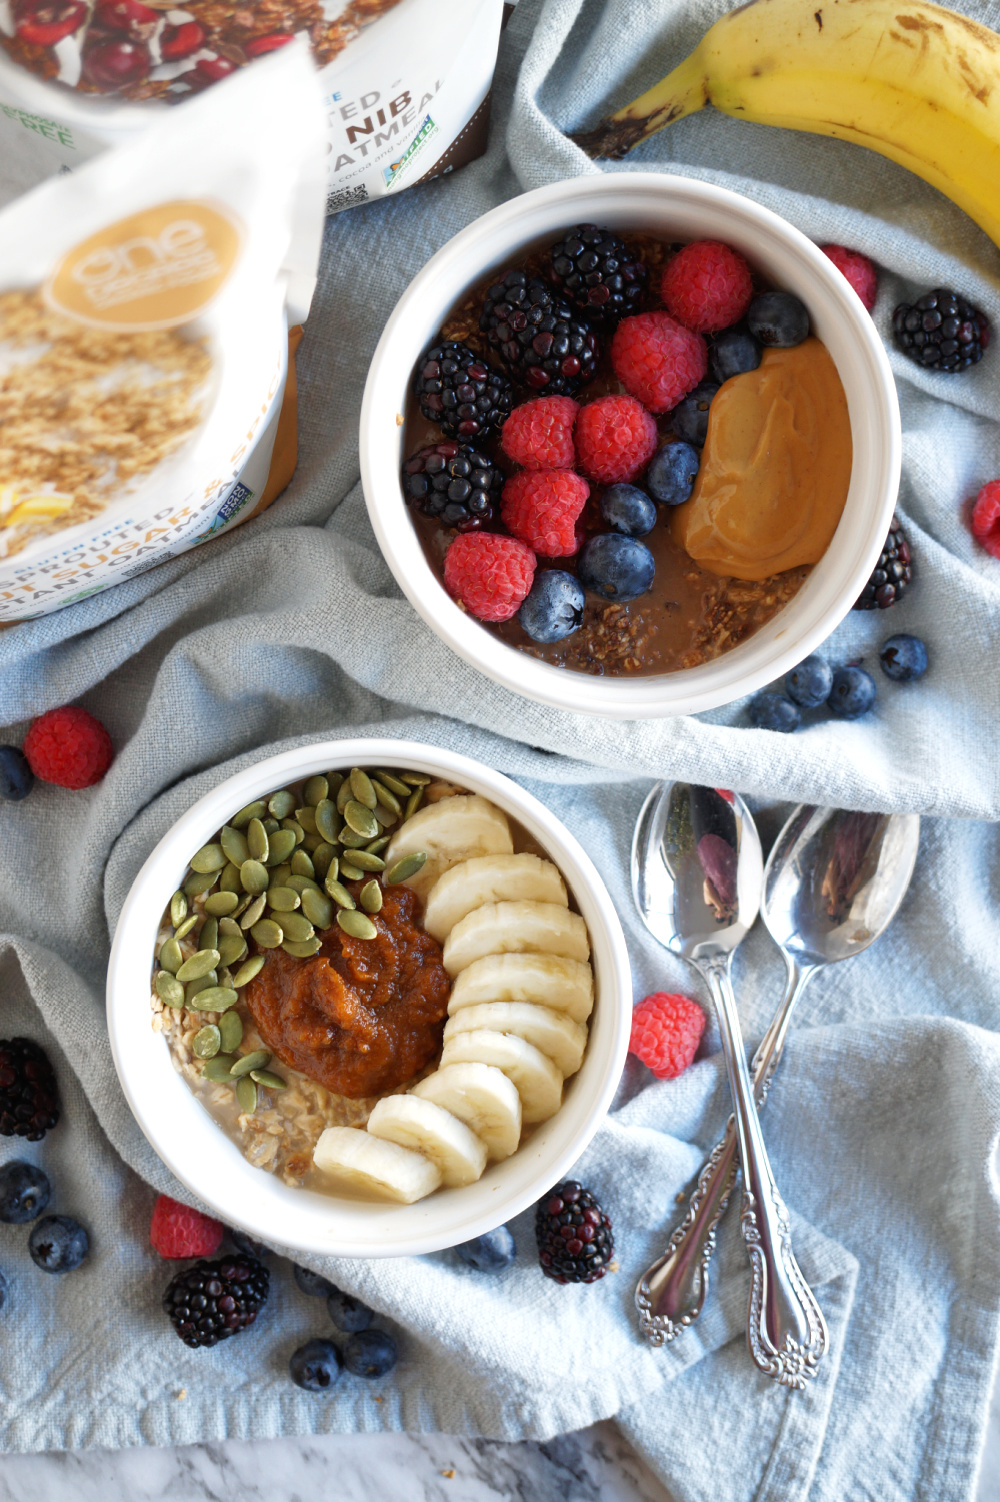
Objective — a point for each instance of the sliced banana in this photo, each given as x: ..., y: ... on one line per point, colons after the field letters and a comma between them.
x: 481, y: 1096
x: 364, y: 1164
x: 420, y: 1124
x: 533, y: 1074
x: 453, y: 830
x: 490, y: 878
x: 555, y: 1034
x: 548, y: 980
x: 512, y: 927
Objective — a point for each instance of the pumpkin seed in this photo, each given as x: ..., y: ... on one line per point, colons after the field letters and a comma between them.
x: 387, y: 799
x: 280, y: 804
x: 350, y: 872
x: 246, y: 1095
x: 300, y: 884
x: 340, y: 895
x: 405, y: 868
x: 268, y: 933
x: 199, y: 964
x: 350, y: 839
x: 254, y: 877
x: 231, y: 949
x: 207, y: 938
x: 322, y: 858
x: 294, y: 827
x: 371, y: 897
x: 183, y: 929
x: 257, y: 842
x: 245, y: 974
x: 301, y: 864
x: 393, y: 783
x: 359, y: 817
x: 206, y: 1042
x: 270, y: 825
x: 169, y: 988
x: 241, y: 907
x: 307, y: 818
x: 201, y: 983
x: 413, y: 803
x: 357, y: 925
x: 280, y: 875
x: 315, y: 790
x: 255, y: 810
x: 336, y: 782
x: 361, y: 787
x: 282, y: 843
x: 234, y: 843
x: 366, y: 861
x: 178, y: 908
x: 231, y: 1031
x: 230, y: 926
x: 268, y: 1080
x: 375, y: 846
x: 317, y: 908
x: 384, y: 818
x: 170, y: 956
x: 213, y: 999
x: 312, y: 842
x: 283, y: 899
x: 200, y: 882
x: 327, y: 820
x: 296, y: 926
x: 229, y: 881
x: 303, y: 951
x: 255, y: 1060
x: 218, y: 1068
x: 208, y: 858
x: 222, y: 904
x: 254, y: 912
x: 415, y: 779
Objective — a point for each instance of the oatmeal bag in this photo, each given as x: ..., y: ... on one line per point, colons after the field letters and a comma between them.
x: 145, y: 397
x: 405, y: 82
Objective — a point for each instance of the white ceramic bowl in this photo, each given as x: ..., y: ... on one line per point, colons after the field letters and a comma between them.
x: 198, y: 1152
x: 676, y: 208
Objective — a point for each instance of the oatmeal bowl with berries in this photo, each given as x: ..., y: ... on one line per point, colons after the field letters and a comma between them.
x: 368, y: 998
x: 631, y: 445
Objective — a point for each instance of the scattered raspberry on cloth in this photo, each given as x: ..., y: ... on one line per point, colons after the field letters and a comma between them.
x: 657, y: 359
x: 986, y: 518
x: 488, y: 575
x: 178, y: 1231
x: 541, y: 507
x: 707, y: 286
x: 539, y: 434
x: 666, y: 1031
x: 69, y: 748
x: 858, y: 270
x: 615, y: 438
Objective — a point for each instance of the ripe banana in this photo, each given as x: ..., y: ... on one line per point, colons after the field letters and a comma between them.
x: 365, y: 1165
x: 512, y: 927
x: 532, y: 1073
x: 450, y: 831
x: 428, y: 1129
x: 481, y: 1096
x: 548, y: 980
x: 916, y: 82
x: 552, y: 1033
x: 489, y: 878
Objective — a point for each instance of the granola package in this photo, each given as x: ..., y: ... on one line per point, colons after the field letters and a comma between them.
x: 405, y: 82
x: 146, y: 402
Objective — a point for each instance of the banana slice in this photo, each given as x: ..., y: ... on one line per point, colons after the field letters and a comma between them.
x: 548, y: 980
x: 453, y: 830
x: 363, y: 1164
x: 490, y: 878
x: 512, y: 927
x: 481, y: 1096
x: 555, y: 1034
x: 428, y: 1129
x: 533, y: 1074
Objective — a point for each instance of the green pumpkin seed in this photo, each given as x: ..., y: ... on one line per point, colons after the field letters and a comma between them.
x: 307, y: 818
x: 200, y: 983
x: 283, y: 899
x: 327, y: 820
x: 294, y: 827
x: 405, y: 868
x: 364, y: 860
x: 234, y: 843
x: 394, y: 783
x: 206, y: 1042
x: 350, y: 872
x: 344, y: 795
x: 296, y: 927
x: 229, y: 881
x: 218, y: 1068
x: 340, y: 894
x: 301, y: 864
x: 282, y: 843
x: 374, y: 847
x: 268, y: 933
x: 384, y: 818
x: 222, y: 904
x: 246, y: 1095
x: 279, y: 876
x: 254, y: 877
x: 170, y: 956
x: 350, y: 839
x: 200, y: 882
x: 255, y: 810
x: 178, y: 908
x: 312, y: 842
x: 270, y: 826
x: 256, y: 1060
x: 280, y: 804
x: 415, y: 779
x: 231, y: 949
x: 357, y: 925
x: 303, y: 951
x: 254, y: 912
x: 230, y: 926
x: 268, y: 1080
x: 315, y: 790
x: 413, y: 803
x: 387, y: 799
x: 359, y: 817
x: 208, y: 858
x: 208, y: 938
x: 301, y: 884
x: 361, y: 788
x: 336, y: 782
x: 371, y: 897
x: 212, y: 999
x: 257, y: 841
x: 169, y: 988
x: 231, y: 1031
x: 322, y: 857
x: 183, y: 929
x: 241, y: 907
x: 199, y: 964
x: 245, y: 974
x: 317, y: 908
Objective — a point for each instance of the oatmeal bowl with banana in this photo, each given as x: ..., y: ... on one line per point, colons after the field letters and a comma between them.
x: 368, y: 998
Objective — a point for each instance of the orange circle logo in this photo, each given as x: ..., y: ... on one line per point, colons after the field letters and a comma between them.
x: 154, y: 270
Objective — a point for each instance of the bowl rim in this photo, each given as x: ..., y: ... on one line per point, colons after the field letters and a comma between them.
x: 232, y: 1199
x: 686, y: 691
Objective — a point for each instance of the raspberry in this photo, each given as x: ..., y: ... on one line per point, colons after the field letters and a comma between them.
x: 177, y: 1231
x: 615, y: 438
x: 986, y: 518
x: 541, y: 507
x: 657, y: 359
x: 539, y: 434
x: 68, y: 747
x: 666, y: 1031
x: 488, y: 575
x: 707, y: 286
x: 858, y: 270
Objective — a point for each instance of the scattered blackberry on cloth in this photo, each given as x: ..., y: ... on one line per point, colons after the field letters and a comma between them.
x: 29, y: 1099
x: 542, y: 344
x: 573, y: 1233
x: 210, y: 1301
x: 941, y: 331
x: 594, y: 271
x: 457, y: 389
x: 455, y: 482
x: 891, y: 574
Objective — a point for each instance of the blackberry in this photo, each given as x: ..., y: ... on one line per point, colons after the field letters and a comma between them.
x: 210, y: 1301
x: 455, y: 482
x: 457, y: 389
x: 941, y: 331
x: 543, y: 346
x: 573, y: 1233
x: 29, y: 1099
x: 594, y: 271
x: 891, y: 574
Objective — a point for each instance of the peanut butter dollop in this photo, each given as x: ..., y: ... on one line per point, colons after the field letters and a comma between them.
x: 775, y: 468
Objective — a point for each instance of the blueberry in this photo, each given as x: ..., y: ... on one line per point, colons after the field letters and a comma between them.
x: 246, y: 1244
x: 779, y: 318
x: 903, y: 658
x: 489, y: 1253
x: 734, y: 352
x: 853, y: 693
x: 313, y: 1284
x: 24, y: 1193
x: 774, y: 712
x: 628, y: 509
x: 689, y: 419
x: 3, y: 1290
x: 810, y: 683
x: 370, y: 1353
x: 16, y: 777
x: 347, y: 1313
x: 58, y: 1244
x: 553, y: 608
x: 672, y: 472
x: 618, y: 568
x: 315, y: 1366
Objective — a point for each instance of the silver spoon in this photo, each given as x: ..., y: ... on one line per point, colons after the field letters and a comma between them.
x: 833, y: 883
x: 697, y: 875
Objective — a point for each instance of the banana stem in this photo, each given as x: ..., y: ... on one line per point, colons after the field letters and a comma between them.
x: 680, y: 93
